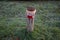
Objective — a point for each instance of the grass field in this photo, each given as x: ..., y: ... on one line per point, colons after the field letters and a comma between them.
x: 13, y: 21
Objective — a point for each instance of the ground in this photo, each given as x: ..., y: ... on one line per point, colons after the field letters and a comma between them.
x: 13, y: 21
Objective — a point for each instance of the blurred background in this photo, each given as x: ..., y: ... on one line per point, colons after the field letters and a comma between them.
x: 13, y: 20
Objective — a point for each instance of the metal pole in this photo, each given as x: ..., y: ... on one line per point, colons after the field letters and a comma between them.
x: 30, y: 11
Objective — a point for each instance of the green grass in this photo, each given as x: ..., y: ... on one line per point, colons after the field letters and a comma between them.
x: 13, y: 21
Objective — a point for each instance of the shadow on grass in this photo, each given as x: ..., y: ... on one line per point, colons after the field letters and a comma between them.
x: 23, y: 35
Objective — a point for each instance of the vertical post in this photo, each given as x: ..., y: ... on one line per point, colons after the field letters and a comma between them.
x: 30, y: 11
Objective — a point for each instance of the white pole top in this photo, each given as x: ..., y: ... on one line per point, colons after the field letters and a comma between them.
x: 31, y: 11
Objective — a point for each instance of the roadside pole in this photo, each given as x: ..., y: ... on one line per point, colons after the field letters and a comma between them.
x: 30, y: 14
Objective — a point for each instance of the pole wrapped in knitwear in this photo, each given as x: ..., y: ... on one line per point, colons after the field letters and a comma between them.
x: 30, y: 12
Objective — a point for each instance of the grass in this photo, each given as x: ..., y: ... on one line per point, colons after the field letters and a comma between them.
x: 13, y: 21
